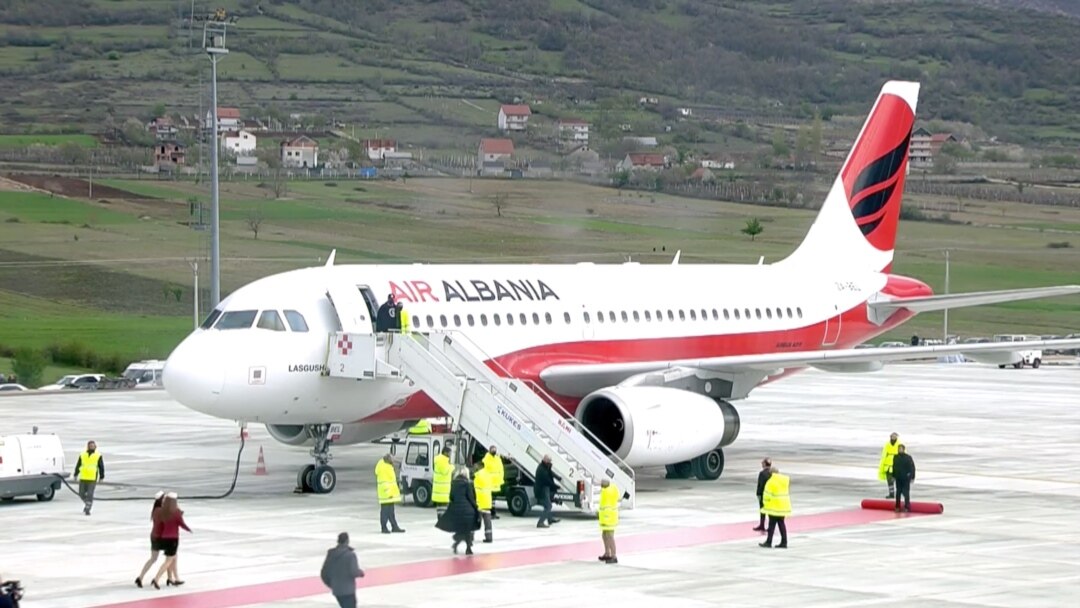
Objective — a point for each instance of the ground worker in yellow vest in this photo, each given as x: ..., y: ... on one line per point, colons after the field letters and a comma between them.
x: 389, y: 493
x: 89, y: 470
x: 493, y: 464
x: 885, y: 466
x: 609, y: 519
x: 777, y: 507
x: 405, y: 323
x: 482, y: 484
x: 441, y: 478
x: 421, y: 428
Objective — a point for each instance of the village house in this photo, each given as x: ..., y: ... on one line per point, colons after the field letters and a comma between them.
x: 494, y: 155
x: 240, y: 143
x: 710, y: 163
x: 163, y: 129
x: 644, y: 142
x: 573, y: 132
x: 228, y: 119
x: 926, y: 145
x: 643, y: 161
x: 379, y: 149
x: 168, y: 154
x: 514, y: 117
x: 301, y: 152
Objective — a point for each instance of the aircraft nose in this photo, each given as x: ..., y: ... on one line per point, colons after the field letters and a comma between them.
x: 194, y: 374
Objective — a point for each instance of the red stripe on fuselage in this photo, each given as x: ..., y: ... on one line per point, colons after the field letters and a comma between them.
x: 527, y: 364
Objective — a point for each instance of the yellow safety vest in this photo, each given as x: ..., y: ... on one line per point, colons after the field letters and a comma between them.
x: 389, y: 492
x: 88, y: 466
x: 776, y: 499
x: 887, y: 453
x: 609, y: 508
x: 440, y: 480
x: 482, y: 483
x: 421, y: 428
x: 494, y: 466
x: 405, y: 327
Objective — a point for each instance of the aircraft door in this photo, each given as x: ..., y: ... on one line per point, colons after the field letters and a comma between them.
x: 832, y: 329
x: 352, y: 307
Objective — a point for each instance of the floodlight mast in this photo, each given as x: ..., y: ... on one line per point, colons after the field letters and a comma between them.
x: 214, y: 31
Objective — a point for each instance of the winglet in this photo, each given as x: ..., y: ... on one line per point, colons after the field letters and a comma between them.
x: 678, y: 254
x: 330, y: 260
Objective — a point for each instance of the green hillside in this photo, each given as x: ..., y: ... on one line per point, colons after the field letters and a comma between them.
x: 433, y: 69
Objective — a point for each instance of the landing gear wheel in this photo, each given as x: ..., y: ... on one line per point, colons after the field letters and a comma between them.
x: 709, y: 465
x: 47, y: 495
x: 421, y: 494
x: 1019, y: 365
x: 7, y: 499
x: 1036, y: 363
x: 1002, y: 366
x: 325, y: 479
x: 305, y: 479
x: 518, y: 502
x: 679, y: 470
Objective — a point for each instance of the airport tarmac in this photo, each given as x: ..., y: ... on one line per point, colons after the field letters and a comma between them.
x: 997, y: 447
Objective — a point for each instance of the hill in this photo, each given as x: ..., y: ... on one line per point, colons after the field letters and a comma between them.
x: 1007, y: 66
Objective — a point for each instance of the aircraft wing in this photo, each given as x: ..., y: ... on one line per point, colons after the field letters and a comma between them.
x: 582, y: 379
x: 978, y: 298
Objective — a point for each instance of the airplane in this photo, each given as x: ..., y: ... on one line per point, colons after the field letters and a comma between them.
x: 661, y: 347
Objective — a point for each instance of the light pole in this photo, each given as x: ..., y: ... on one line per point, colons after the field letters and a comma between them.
x: 214, y: 44
x: 945, y: 338
x: 195, y: 270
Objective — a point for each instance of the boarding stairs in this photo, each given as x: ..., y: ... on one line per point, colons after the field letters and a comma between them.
x: 518, y: 417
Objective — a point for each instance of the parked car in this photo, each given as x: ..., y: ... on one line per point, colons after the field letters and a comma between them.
x: 12, y: 388
x: 146, y: 374
x: 893, y: 344
x: 74, y: 381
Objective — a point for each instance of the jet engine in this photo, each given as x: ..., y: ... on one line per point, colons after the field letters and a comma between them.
x: 300, y: 435
x: 653, y: 425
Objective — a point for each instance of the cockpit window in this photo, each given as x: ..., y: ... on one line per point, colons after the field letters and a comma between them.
x: 236, y: 319
x: 209, y: 322
x: 271, y: 320
x: 296, y: 321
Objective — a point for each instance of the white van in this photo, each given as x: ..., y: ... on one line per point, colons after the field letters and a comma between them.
x: 146, y: 374
x: 29, y: 465
x: 1020, y: 358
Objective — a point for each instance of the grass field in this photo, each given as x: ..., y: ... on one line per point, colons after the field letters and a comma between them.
x: 117, y: 298
x: 20, y: 141
x: 51, y: 374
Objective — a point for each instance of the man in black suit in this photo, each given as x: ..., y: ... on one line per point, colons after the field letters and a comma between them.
x: 904, y: 472
x: 762, y: 478
x: 386, y: 318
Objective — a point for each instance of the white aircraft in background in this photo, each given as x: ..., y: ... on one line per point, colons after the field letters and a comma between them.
x: 600, y: 338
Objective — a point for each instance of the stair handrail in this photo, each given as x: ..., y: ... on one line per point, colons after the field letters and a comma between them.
x: 550, y: 399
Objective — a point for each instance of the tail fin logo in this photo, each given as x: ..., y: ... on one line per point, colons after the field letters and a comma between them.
x: 874, y: 174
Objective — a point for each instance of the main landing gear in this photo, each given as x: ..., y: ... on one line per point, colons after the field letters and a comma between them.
x: 319, y: 478
x: 708, y: 467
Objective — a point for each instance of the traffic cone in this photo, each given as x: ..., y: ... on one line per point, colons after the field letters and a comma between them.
x: 260, y: 466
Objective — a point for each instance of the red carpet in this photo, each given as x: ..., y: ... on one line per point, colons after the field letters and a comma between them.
x: 450, y: 566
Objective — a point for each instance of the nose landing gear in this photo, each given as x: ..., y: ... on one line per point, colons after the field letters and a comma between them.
x: 319, y: 478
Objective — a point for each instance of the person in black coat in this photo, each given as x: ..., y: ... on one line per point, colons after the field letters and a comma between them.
x: 386, y: 319
x: 762, y: 478
x: 903, y: 467
x: 544, y: 488
x: 462, y: 516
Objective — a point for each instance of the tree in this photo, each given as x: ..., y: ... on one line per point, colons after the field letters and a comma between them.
x: 499, y: 202
x: 72, y: 153
x: 278, y: 182
x: 29, y: 365
x: 157, y: 111
x: 780, y: 147
x: 255, y: 220
x: 753, y: 228
x: 621, y: 179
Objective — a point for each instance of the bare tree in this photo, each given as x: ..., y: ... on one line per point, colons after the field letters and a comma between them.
x: 499, y: 202
x: 278, y: 179
x: 254, y: 220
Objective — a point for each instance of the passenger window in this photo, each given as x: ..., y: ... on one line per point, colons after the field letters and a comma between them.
x: 599, y: 317
x: 799, y: 312
x: 693, y: 315
x: 271, y: 320
x: 296, y: 321
x: 625, y: 318
x: 417, y: 321
x: 670, y: 315
x: 470, y: 319
x: 524, y: 320
x: 682, y: 315
x: 496, y: 319
x: 789, y: 313
x: 648, y: 317
x: 209, y: 322
x: 566, y: 317
x: 536, y: 318
x: 727, y: 315
x: 430, y: 321
x: 483, y: 320
x: 237, y: 319
x: 715, y: 316
x: 737, y: 317
x: 509, y: 319
x: 768, y: 312
x: 587, y: 318
x: 746, y: 313
x: 442, y: 320
x: 758, y: 311
x: 704, y: 315
x: 457, y: 321
x: 611, y: 316
x: 636, y: 317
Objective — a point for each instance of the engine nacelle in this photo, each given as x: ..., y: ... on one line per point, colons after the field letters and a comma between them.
x: 300, y: 434
x: 653, y: 425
